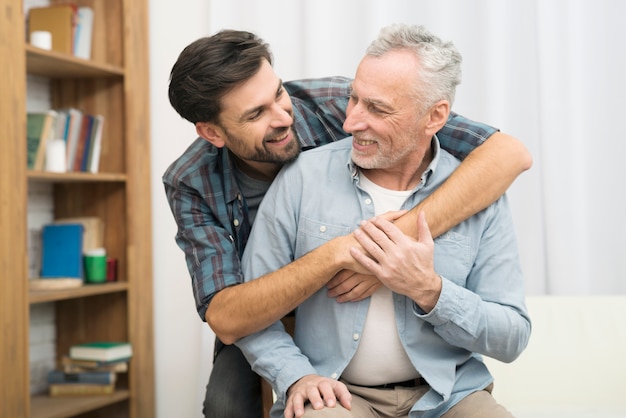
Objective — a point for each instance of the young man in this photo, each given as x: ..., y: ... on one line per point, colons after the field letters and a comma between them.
x: 249, y: 125
x: 413, y: 349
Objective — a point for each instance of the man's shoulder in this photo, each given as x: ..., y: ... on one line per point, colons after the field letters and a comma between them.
x: 319, y: 107
x: 200, y: 157
x: 322, y: 160
x: 318, y: 87
x: 337, y: 148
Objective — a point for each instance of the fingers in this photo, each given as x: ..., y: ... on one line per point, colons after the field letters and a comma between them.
x: 348, y: 286
x: 361, y: 291
x: 319, y: 391
x: 340, y: 283
x: 356, y: 288
x: 381, y: 232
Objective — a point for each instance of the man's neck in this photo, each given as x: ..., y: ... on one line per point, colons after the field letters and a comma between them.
x: 402, y: 177
x: 257, y: 170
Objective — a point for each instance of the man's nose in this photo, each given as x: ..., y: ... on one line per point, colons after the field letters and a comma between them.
x: 281, y: 117
x: 355, y: 119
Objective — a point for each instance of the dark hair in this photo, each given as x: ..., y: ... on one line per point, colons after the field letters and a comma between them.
x: 210, y: 67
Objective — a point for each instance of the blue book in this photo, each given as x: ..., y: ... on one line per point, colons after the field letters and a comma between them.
x: 62, y: 251
x: 96, y: 377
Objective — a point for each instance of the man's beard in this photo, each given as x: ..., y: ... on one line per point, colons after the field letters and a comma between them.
x: 265, y: 154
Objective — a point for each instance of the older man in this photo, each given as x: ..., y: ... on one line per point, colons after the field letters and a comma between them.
x: 414, y: 347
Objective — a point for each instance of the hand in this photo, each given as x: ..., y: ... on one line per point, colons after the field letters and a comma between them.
x: 349, y: 241
x: 319, y: 391
x: 348, y: 286
x: 403, y: 264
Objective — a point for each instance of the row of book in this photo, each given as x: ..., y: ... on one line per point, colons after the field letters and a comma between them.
x: 90, y: 369
x: 81, y: 133
x: 71, y: 27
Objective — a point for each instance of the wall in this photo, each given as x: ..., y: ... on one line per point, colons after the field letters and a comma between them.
x: 182, y: 370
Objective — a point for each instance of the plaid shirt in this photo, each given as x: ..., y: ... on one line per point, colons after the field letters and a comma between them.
x: 209, y: 208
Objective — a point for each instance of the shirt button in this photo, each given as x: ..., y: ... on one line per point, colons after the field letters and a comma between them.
x: 368, y: 201
x: 239, y: 197
x: 333, y: 376
x: 355, y: 336
x: 236, y: 222
x: 322, y: 228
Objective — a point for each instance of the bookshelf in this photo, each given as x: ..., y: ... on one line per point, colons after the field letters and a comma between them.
x: 114, y: 82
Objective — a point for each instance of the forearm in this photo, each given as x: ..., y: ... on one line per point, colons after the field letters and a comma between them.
x: 241, y: 310
x: 480, y: 180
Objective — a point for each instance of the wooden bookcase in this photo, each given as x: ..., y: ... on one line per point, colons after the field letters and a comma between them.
x: 114, y: 83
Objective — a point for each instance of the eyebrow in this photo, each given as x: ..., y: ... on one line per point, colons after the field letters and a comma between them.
x: 248, y: 113
x: 378, y: 103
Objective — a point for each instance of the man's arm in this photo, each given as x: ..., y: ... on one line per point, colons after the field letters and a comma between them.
x: 479, y: 181
x: 483, y: 177
x: 241, y: 310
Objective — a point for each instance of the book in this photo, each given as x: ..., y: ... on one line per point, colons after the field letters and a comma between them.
x: 84, y: 31
x: 58, y: 283
x: 70, y: 365
x: 38, y: 131
x: 80, y: 389
x: 62, y: 251
x: 59, y: 20
x: 103, y: 351
x: 93, y: 230
x: 61, y: 125
x: 75, y: 120
x: 92, y: 376
x: 95, y: 148
x: 82, y: 146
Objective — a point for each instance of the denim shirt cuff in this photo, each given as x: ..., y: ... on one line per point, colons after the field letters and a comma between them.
x: 290, y: 375
x: 445, y: 308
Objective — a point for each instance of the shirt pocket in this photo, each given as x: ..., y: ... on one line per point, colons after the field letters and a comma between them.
x: 453, y: 257
x: 312, y: 233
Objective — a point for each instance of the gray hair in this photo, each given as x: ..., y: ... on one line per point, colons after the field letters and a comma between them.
x: 440, y: 61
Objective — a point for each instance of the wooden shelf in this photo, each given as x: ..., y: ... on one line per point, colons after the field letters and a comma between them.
x: 74, y: 177
x: 114, y: 83
x: 44, y: 406
x: 60, y: 66
x: 40, y: 296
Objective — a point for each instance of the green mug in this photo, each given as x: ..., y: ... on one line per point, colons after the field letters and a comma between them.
x: 95, y: 266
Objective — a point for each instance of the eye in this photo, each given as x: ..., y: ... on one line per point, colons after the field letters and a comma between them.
x: 374, y: 109
x: 254, y: 116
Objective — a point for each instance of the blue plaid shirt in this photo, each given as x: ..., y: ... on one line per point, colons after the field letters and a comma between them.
x: 208, y: 205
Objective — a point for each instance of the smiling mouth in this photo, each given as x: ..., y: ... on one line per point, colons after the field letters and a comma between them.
x: 364, y: 142
x: 279, y: 138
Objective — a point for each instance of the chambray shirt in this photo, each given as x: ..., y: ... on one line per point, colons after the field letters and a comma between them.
x: 209, y: 208
x: 481, y: 309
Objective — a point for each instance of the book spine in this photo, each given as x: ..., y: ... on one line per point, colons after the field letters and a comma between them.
x: 79, y: 389
x: 58, y: 376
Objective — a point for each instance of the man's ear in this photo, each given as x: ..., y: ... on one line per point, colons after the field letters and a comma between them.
x: 211, y: 132
x: 437, y: 117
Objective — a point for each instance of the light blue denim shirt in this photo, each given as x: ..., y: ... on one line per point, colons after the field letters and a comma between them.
x: 481, y: 309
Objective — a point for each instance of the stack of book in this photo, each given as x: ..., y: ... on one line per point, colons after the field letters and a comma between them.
x: 90, y: 369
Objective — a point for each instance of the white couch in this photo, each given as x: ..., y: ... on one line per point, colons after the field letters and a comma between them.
x: 575, y: 363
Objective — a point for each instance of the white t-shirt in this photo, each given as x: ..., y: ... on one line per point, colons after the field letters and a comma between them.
x: 380, y: 357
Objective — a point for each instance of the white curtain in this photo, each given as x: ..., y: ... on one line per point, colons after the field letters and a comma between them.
x: 549, y: 72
